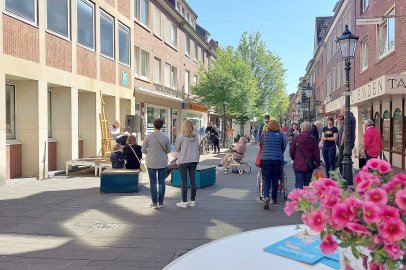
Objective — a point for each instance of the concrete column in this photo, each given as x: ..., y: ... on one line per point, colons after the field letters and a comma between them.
x: 32, y: 127
x: 64, y: 117
x: 74, y: 111
x: 3, y: 135
x: 88, y: 123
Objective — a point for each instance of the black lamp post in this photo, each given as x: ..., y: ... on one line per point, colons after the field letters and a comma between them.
x: 306, y: 97
x: 347, y: 44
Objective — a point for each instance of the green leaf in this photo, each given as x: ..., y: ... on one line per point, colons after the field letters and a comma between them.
x: 344, y: 244
x: 355, y: 252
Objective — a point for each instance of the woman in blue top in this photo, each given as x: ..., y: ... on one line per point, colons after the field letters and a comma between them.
x: 273, y: 146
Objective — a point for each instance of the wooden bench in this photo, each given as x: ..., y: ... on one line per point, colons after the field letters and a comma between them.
x: 119, y: 181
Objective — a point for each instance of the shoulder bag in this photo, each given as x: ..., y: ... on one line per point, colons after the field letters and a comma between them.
x: 163, y: 149
x: 142, y: 166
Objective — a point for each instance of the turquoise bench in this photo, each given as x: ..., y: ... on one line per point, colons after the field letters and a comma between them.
x: 205, y: 176
x: 119, y: 181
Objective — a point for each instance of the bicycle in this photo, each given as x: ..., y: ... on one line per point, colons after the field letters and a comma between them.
x: 282, y: 185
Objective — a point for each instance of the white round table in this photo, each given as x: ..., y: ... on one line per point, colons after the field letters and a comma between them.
x: 243, y: 251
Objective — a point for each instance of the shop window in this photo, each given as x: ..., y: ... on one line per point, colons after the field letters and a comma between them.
x: 124, y: 44
x: 154, y: 113
x: 85, y: 17
x: 24, y: 9
x: 386, y: 130
x: 377, y: 121
x: 106, y: 34
x: 58, y: 17
x: 10, y: 112
x: 397, y: 130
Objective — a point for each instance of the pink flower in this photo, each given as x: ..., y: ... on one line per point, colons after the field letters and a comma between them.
x: 290, y: 207
x: 341, y: 214
x: 353, y: 204
x: 296, y: 194
x: 394, y: 251
x: 379, y: 165
x: 317, y: 220
x: 328, y: 245
x: 375, y: 266
x: 364, y: 185
x: 377, y: 195
x: 358, y: 228
x: 389, y: 212
x: 372, y: 213
x: 392, y: 230
x: 384, y: 167
x: 373, y: 163
x: 322, y: 184
x: 331, y: 197
x: 401, y: 199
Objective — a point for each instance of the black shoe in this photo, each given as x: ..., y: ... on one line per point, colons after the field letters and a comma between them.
x: 220, y: 165
x: 266, y: 204
x: 273, y: 201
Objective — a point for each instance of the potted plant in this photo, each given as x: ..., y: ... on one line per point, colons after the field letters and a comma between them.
x: 367, y: 219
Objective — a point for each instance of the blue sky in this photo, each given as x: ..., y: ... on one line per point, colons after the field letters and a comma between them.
x: 287, y: 27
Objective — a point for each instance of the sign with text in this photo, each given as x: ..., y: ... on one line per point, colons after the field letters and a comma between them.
x: 368, y: 21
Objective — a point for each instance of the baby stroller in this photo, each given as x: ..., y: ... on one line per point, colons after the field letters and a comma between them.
x: 282, y: 186
x: 237, y: 165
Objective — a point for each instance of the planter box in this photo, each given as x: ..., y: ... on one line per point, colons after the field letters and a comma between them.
x: 205, y: 176
x: 119, y: 181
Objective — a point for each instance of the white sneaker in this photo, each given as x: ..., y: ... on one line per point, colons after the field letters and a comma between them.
x: 191, y: 203
x: 182, y: 204
x: 161, y: 205
x: 153, y: 205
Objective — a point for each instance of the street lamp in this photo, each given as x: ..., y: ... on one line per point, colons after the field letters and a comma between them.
x: 307, y: 93
x: 347, y: 44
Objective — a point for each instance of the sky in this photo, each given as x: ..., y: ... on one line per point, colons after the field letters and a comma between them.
x: 287, y: 27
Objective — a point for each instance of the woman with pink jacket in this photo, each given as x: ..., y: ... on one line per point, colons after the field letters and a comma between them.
x: 373, y: 144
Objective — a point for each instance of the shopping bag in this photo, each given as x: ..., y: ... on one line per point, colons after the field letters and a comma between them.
x: 258, y: 159
x: 143, y: 168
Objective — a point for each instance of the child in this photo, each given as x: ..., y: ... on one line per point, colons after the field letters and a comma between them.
x: 117, y: 157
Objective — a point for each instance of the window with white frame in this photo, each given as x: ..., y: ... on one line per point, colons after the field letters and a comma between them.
x: 339, y: 75
x: 10, y: 112
x: 23, y: 9
x: 329, y: 84
x: 106, y: 34
x: 141, y: 11
x: 196, y: 52
x: 364, y: 54
x: 123, y: 44
x: 171, y: 35
x: 157, y: 70
x: 187, y: 45
x: 141, y: 63
x: 177, y: 6
x: 203, y: 56
x: 333, y: 80
x: 195, y: 79
x: 157, y: 22
x: 183, y: 12
x: 58, y: 18
x: 187, y: 17
x: 170, y: 76
x: 85, y: 18
x: 386, y: 35
x: 187, y: 81
x: 364, y: 4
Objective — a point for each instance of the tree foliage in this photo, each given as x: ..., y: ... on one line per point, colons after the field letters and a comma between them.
x: 267, y: 68
x: 228, y: 85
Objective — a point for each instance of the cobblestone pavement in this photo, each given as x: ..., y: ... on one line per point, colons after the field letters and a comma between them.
x: 65, y: 223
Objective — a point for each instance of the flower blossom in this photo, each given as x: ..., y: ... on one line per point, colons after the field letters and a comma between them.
x: 379, y: 165
x: 372, y: 212
x: 392, y: 230
x: 317, y: 220
x: 358, y: 229
x: 341, y: 214
x: 394, y: 251
x: 328, y: 244
x: 400, y: 199
x: 377, y: 196
x: 290, y: 207
x: 389, y: 212
x: 296, y: 194
x: 364, y: 185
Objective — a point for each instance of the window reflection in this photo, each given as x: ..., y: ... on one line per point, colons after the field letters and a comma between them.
x: 397, y: 130
x: 386, y: 130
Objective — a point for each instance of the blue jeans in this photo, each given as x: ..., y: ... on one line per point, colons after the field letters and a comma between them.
x: 155, y: 195
x: 329, y: 156
x: 368, y: 157
x: 271, y: 170
x: 184, y: 169
x: 303, y: 179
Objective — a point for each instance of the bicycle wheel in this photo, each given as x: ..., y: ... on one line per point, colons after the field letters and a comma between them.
x: 247, y: 168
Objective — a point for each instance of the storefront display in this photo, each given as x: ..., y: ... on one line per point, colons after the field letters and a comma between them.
x: 386, y: 130
x: 154, y: 113
x: 397, y: 130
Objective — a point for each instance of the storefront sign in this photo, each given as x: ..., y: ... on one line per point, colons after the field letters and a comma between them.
x: 167, y: 90
x: 125, y: 78
x: 195, y: 107
x: 368, y: 91
x: 335, y: 104
x: 396, y: 84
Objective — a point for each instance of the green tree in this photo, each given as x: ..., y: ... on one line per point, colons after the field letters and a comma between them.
x: 268, y: 69
x: 228, y: 85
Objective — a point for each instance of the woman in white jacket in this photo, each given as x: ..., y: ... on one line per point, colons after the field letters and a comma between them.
x: 187, y: 146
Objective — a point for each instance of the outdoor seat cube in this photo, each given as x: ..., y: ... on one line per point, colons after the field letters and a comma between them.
x: 119, y: 181
x: 205, y: 176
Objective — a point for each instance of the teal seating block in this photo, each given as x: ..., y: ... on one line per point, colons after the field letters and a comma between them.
x: 205, y: 176
x: 119, y: 181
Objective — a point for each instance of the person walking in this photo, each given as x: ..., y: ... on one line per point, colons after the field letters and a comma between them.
x: 373, y: 144
x: 187, y: 147
x: 328, y: 145
x: 129, y: 151
x: 304, y: 150
x: 293, y: 133
x: 215, y: 139
x: 315, y: 130
x: 156, y: 146
x: 264, y: 126
x: 273, y: 146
